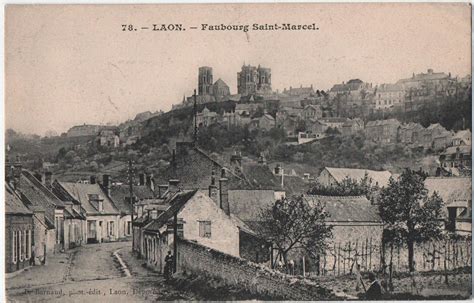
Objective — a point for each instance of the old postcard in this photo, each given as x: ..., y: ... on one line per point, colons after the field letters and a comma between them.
x: 238, y: 152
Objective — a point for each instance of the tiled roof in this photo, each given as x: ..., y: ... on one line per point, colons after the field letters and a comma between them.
x: 44, y: 191
x: 425, y: 77
x: 37, y: 200
x: 248, y: 204
x: 378, y: 177
x: 176, y: 202
x: 120, y: 195
x: 389, y: 87
x: 81, y: 192
x: 13, y: 204
x: 258, y: 176
x: 346, y: 209
x: 393, y: 122
x: 450, y: 189
x: 333, y: 120
x: 464, y: 149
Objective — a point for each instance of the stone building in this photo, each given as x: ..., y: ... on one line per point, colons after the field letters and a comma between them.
x: 334, y: 122
x: 206, y: 86
x: 120, y: 196
x: 84, y: 130
x: 18, y: 232
x: 312, y: 112
x: 197, y: 218
x: 457, y: 157
x: 352, y: 126
x: 109, y: 136
x: 429, y: 79
x: 456, y: 193
x: 206, y: 118
x: 254, y: 80
x: 410, y: 133
x: 302, y: 92
x: 383, y: 131
x: 45, y: 235
x: 352, y: 93
x: 205, y: 80
x: 354, y: 220
x: 389, y: 95
x: 103, y: 217
x: 265, y: 122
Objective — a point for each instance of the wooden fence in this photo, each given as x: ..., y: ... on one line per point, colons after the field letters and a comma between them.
x: 368, y: 255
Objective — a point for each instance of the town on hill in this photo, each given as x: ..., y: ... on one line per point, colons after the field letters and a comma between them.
x: 262, y: 194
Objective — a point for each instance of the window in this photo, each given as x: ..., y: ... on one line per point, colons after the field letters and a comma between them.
x: 20, y: 242
x: 128, y: 228
x: 25, y: 247
x: 28, y: 244
x: 205, y: 229
x: 14, y: 247
x: 111, y: 228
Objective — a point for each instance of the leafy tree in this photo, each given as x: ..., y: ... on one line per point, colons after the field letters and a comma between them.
x: 409, y: 215
x: 347, y: 187
x: 293, y: 224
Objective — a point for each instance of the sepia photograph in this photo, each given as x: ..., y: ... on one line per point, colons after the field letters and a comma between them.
x: 234, y: 152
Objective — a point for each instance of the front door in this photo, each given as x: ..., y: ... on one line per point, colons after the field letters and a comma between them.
x: 91, y: 231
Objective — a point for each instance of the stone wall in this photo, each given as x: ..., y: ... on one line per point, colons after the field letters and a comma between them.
x: 239, y: 273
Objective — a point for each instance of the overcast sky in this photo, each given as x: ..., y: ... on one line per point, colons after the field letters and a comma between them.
x: 69, y: 65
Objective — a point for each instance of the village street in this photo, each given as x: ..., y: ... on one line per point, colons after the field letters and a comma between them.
x: 91, y: 273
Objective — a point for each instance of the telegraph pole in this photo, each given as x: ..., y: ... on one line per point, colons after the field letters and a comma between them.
x: 195, y: 118
x: 130, y: 182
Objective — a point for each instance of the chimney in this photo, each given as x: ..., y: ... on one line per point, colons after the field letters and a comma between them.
x: 141, y: 179
x: 48, y: 176
x: 93, y: 180
x: 149, y: 182
x: 106, y: 182
x: 173, y: 185
x: 17, y: 168
x: 224, y: 193
x: 8, y: 170
x: 236, y: 161
x: 213, y: 193
x: 162, y: 190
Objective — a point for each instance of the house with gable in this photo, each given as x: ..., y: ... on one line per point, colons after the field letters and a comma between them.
x: 120, y: 196
x: 410, y: 133
x: 457, y: 157
x: 42, y: 208
x: 383, y: 131
x: 456, y: 193
x: 355, y: 222
x: 331, y: 175
x: 19, y: 228
x: 103, y: 217
x: 312, y: 112
x: 192, y: 215
x: 265, y: 123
